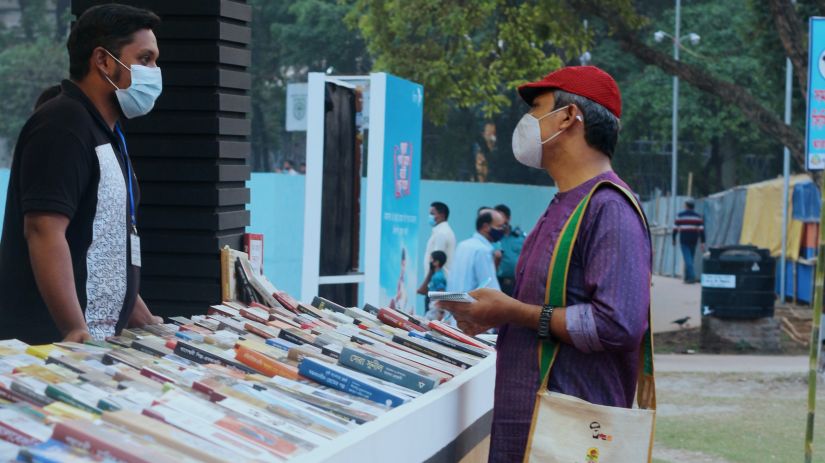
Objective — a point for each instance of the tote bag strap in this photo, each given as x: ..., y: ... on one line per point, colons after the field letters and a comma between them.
x: 556, y: 296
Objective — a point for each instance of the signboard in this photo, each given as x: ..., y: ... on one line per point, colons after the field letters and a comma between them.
x: 815, y: 123
x: 403, y: 105
x: 296, y: 107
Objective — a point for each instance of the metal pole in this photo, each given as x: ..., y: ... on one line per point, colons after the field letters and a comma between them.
x: 786, y: 173
x: 675, y: 129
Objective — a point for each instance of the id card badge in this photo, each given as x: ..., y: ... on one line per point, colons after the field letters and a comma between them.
x: 134, y: 248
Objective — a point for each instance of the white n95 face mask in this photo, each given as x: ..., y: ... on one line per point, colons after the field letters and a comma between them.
x: 527, y: 140
x: 139, y: 99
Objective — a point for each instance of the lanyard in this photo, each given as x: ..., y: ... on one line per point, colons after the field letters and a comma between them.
x: 125, y: 154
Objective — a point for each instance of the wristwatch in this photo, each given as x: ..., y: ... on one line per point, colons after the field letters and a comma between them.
x: 544, y: 321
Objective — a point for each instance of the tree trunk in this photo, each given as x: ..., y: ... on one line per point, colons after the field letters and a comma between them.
x: 60, y: 16
x: 714, y: 167
x: 727, y: 160
x: 792, y: 35
x: 260, y: 150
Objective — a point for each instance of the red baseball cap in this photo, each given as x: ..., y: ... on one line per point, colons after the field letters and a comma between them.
x: 587, y: 81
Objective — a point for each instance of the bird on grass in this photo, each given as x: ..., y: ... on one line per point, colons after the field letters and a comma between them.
x: 682, y: 322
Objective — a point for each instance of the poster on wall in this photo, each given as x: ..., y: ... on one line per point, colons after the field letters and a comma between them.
x: 296, y: 107
x: 815, y: 125
x: 400, y: 193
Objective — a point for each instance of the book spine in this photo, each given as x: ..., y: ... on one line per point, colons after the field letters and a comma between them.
x: 200, y: 356
x: 264, y: 364
x: 155, y: 376
x: 258, y: 331
x: 57, y: 394
x: 308, y: 311
x: 226, y: 292
x: 452, y: 333
x: 371, y: 309
x: 67, y: 365
x: 286, y: 301
x: 374, y: 366
x: 459, y: 346
x: 281, y: 344
x: 330, y: 352
x: 396, y: 321
x: 208, y: 391
x: 319, y: 372
x: 138, y: 346
x: 287, y: 336
x: 362, y: 340
x: 26, y: 395
x: 320, y: 303
x: 407, y: 342
x: 73, y: 434
x: 251, y: 315
x: 15, y: 436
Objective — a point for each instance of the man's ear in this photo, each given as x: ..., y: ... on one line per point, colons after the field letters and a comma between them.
x: 572, y: 114
x: 100, y: 60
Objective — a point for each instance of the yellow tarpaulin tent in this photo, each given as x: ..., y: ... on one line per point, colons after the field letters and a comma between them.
x: 762, y: 221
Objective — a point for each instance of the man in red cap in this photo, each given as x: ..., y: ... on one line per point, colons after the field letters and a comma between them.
x: 571, y: 132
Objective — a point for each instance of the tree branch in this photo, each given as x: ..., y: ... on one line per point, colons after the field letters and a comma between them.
x: 792, y: 35
x: 768, y: 122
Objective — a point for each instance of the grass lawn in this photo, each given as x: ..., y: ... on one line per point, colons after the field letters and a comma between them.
x: 733, y: 418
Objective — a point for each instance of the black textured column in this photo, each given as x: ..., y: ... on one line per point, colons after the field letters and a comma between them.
x: 190, y: 154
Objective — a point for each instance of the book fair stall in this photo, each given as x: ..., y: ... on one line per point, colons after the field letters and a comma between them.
x: 242, y: 370
x: 260, y: 377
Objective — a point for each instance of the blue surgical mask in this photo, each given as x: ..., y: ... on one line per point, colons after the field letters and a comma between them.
x: 139, y: 98
x: 431, y: 221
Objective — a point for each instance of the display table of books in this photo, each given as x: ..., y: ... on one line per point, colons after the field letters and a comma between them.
x: 248, y: 382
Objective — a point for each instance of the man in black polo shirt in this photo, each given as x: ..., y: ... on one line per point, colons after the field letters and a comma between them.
x: 70, y: 252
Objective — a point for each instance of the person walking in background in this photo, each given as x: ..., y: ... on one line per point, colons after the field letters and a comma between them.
x: 474, y: 266
x: 288, y: 169
x: 483, y: 151
x: 690, y: 227
x: 442, y: 237
x: 510, y: 248
x: 435, y: 280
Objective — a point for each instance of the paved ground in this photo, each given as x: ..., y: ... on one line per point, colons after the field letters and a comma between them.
x: 672, y: 300
x: 777, y: 364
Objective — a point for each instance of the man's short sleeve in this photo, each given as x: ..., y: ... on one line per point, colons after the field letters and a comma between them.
x: 54, y: 172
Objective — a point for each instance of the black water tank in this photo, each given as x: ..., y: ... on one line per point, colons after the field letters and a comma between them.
x: 738, y: 282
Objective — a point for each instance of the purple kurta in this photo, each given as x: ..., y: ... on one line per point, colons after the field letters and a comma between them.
x: 608, y: 295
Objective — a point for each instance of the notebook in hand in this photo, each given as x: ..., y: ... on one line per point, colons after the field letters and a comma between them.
x: 450, y: 296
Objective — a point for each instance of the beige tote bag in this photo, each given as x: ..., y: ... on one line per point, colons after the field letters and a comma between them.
x: 566, y: 429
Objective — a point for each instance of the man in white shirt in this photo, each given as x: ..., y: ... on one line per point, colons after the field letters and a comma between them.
x: 474, y: 266
x: 442, y: 237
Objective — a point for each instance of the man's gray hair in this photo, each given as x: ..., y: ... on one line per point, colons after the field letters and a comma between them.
x: 601, y: 127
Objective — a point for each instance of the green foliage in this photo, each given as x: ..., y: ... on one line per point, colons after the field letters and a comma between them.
x: 289, y: 40
x: 471, y: 55
x: 467, y: 54
x: 30, y: 61
x: 26, y: 70
x: 736, y: 45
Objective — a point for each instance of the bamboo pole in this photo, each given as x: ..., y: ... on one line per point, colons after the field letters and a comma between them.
x: 819, y: 283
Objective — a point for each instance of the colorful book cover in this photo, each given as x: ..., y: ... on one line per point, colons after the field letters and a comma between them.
x: 421, y: 346
x: 264, y: 364
x: 19, y: 429
x: 340, y: 379
x: 386, y: 369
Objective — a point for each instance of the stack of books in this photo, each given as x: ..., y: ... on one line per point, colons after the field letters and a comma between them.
x: 260, y: 382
